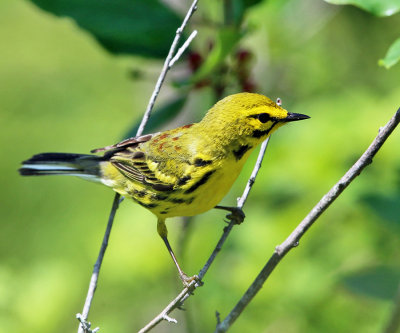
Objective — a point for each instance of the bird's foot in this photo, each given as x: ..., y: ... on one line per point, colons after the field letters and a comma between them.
x: 236, y: 214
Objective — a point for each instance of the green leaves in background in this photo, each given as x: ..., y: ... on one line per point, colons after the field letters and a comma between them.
x: 143, y: 27
x: 236, y: 9
x: 376, y: 7
x: 386, y: 207
x: 379, y: 282
x: 392, y: 56
x: 161, y: 116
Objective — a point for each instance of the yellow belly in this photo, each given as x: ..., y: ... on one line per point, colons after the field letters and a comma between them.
x: 204, y: 191
x: 206, y: 197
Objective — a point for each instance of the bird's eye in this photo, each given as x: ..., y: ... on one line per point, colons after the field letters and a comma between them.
x: 264, y: 117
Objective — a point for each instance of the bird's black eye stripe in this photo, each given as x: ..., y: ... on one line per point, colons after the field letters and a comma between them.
x: 263, y: 117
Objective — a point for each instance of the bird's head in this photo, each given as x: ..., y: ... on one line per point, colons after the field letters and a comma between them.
x: 249, y: 116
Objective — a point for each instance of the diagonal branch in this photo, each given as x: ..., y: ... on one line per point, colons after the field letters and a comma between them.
x: 182, y: 49
x: 172, y: 57
x: 294, y: 238
x: 187, y: 291
x: 167, y: 66
x: 84, y: 326
x: 240, y: 203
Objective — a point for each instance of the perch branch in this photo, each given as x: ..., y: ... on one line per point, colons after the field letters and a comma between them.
x: 178, y: 301
x: 242, y: 200
x: 294, y: 238
x: 84, y: 326
x: 240, y: 203
x: 187, y: 291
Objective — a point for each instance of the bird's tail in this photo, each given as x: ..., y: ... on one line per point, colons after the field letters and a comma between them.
x: 85, y: 166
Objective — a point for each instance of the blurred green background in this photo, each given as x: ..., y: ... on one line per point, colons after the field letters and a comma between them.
x: 61, y: 91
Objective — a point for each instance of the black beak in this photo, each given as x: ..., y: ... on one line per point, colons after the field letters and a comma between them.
x: 295, y: 117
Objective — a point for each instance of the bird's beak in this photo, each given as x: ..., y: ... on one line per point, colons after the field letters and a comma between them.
x: 295, y: 117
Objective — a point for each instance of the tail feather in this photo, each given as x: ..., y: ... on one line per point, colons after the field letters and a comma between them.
x: 55, y: 157
x: 85, y: 166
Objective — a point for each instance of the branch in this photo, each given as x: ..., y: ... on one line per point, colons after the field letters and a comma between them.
x: 167, y: 66
x: 240, y: 203
x: 182, y: 49
x: 242, y: 200
x: 177, y: 302
x: 187, y: 291
x: 84, y: 326
x: 294, y: 238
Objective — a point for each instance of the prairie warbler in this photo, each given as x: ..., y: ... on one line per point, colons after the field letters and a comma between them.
x: 180, y: 172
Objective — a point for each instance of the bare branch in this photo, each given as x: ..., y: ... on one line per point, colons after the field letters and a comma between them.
x: 242, y: 200
x: 182, y: 49
x: 186, y: 292
x: 294, y: 238
x: 84, y: 326
x: 177, y: 302
x: 166, y: 67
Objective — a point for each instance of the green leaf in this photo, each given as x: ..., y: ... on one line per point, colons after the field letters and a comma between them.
x: 143, y: 27
x: 376, y: 7
x: 160, y: 116
x: 392, y: 55
x: 239, y: 8
x: 386, y: 207
x: 379, y: 282
x: 249, y: 3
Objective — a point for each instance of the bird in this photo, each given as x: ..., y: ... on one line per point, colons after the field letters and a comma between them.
x: 178, y: 172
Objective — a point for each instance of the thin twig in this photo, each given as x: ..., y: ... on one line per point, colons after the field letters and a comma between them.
x: 168, y: 309
x: 166, y: 67
x: 182, y: 49
x: 240, y: 203
x: 186, y: 292
x: 242, y: 200
x: 294, y: 238
x: 84, y: 326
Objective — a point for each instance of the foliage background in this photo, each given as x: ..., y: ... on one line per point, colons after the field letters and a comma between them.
x: 61, y: 91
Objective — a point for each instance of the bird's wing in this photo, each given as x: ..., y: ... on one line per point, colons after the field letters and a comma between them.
x: 137, y: 160
x: 135, y: 165
x: 131, y: 142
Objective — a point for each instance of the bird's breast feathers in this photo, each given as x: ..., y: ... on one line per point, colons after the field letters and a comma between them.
x: 171, y: 178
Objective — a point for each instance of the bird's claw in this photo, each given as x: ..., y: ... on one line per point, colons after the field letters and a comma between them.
x: 236, y: 214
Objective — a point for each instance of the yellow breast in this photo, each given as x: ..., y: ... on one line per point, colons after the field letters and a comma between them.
x: 207, y: 185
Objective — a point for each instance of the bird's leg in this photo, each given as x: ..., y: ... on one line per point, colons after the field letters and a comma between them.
x: 163, y: 232
x: 236, y: 215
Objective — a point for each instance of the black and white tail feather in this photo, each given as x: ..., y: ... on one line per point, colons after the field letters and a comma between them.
x: 80, y: 165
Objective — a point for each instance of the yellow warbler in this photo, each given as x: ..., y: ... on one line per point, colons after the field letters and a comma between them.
x: 180, y: 172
